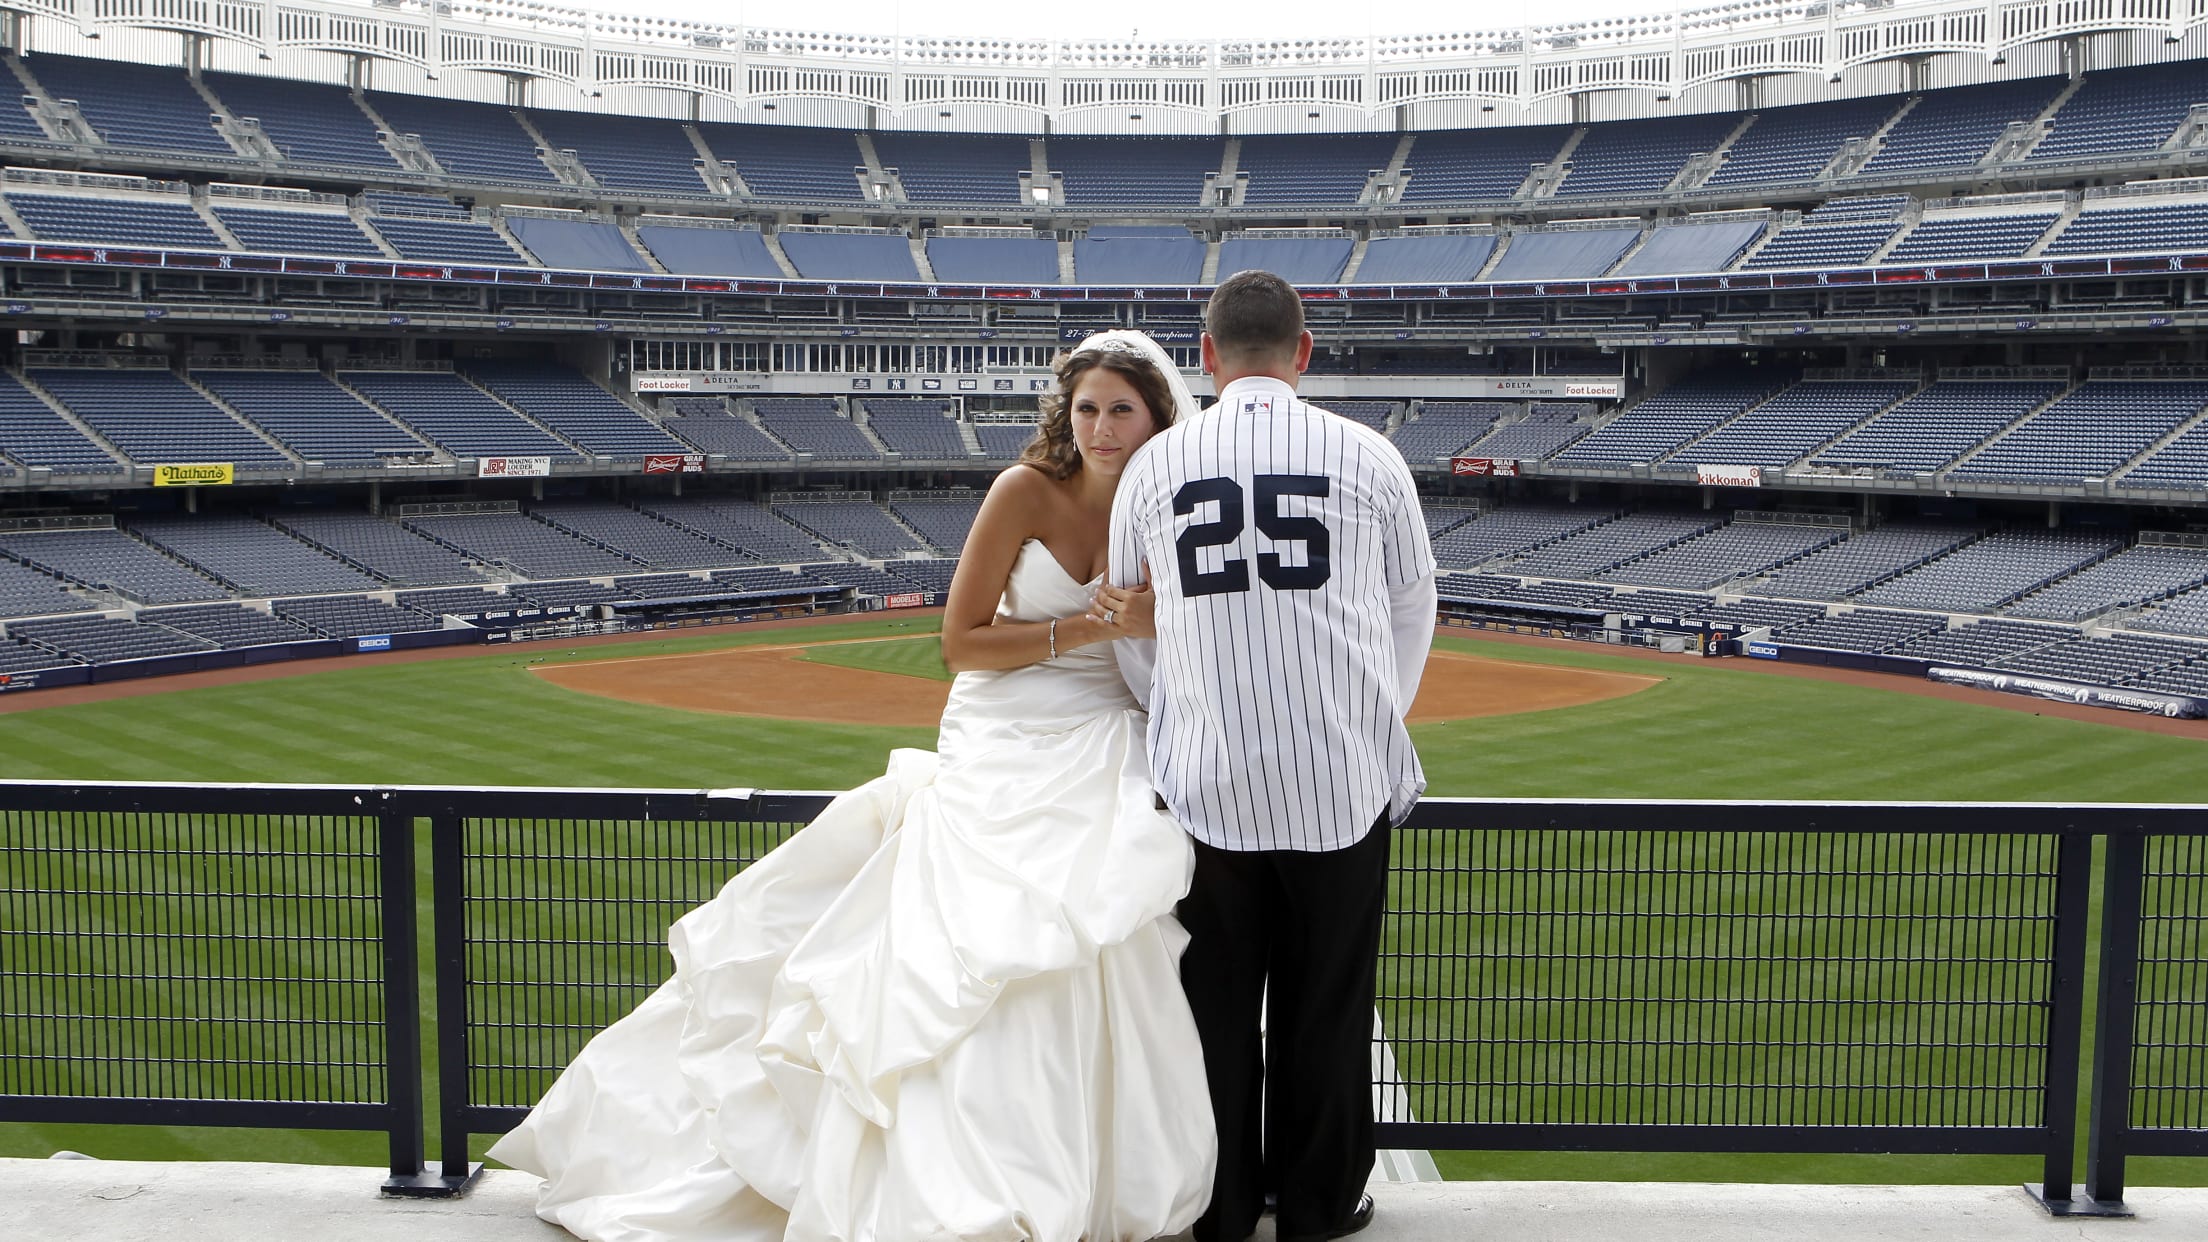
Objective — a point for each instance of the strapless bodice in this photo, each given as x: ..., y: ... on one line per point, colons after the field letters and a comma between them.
x: 1044, y: 698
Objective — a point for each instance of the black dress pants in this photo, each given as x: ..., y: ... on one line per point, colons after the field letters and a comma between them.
x: 1294, y: 1108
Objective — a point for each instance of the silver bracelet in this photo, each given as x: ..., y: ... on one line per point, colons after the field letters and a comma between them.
x: 1054, y: 638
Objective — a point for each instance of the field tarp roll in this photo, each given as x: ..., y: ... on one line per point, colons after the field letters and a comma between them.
x: 2152, y: 702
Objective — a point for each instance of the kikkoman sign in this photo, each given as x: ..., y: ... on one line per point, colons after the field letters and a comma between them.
x: 202, y: 474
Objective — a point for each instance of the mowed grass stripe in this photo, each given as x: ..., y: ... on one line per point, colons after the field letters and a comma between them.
x: 1708, y: 731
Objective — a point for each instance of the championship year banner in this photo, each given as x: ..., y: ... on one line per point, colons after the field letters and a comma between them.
x: 1498, y: 467
x: 199, y: 474
x: 674, y: 463
x: 512, y: 467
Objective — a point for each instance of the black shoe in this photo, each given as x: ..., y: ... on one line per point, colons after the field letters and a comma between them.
x: 1359, y: 1217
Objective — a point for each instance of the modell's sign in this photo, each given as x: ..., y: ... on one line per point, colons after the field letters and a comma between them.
x: 904, y: 599
x: 1728, y: 476
x: 512, y: 467
x: 674, y: 463
x: 1500, y: 467
x: 202, y: 474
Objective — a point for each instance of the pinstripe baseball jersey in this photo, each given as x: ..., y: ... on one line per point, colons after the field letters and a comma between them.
x: 1274, y: 533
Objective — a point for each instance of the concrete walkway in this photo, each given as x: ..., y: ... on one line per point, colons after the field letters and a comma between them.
x: 125, y: 1201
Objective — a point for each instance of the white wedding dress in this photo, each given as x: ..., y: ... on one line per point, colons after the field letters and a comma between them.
x: 948, y: 1008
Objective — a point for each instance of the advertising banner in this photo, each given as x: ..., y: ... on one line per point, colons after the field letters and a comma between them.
x: 200, y: 474
x: 1762, y: 651
x: 906, y: 599
x: 674, y: 463
x: 2180, y: 706
x: 1536, y: 386
x: 372, y: 642
x: 663, y: 383
x: 1728, y: 476
x: 1498, y: 467
x: 512, y: 467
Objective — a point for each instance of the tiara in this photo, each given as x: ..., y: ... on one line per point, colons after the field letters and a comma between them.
x: 1111, y: 344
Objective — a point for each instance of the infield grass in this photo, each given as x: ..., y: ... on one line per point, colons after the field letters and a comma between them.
x: 1706, y: 731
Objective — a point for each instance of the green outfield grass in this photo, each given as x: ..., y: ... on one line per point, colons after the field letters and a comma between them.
x: 1708, y: 730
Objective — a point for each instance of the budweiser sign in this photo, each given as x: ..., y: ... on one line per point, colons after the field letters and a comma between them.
x: 1499, y: 467
x: 674, y: 463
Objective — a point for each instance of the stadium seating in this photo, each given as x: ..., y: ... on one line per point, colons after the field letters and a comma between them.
x: 168, y: 221
x: 2186, y: 613
x: 942, y: 519
x: 1982, y: 644
x: 384, y: 548
x: 1791, y: 424
x: 521, y: 545
x: 2121, y: 110
x: 1937, y: 425
x: 21, y: 656
x: 2090, y: 433
x: 1421, y: 260
x: 1316, y: 260
x: 1326, y: 169
x: 251, y: 557
x: 1864, y: 630
x: 1591, y: 553
x: 2133, y: 229
x: 445, y: 241
x: 692, y: 251
x: 108, y: 640
x: 1864, y: 559
x: 1541, y: 434
x: 156, y: 418
x: 1751, y: 614
x: 313, y: 417
x: 663, y: 586
x: 1446, y: 428
x: 1722, y: 555
x: 865, y: 579
x: 956, y: 168
x: 577, y: 245
x: 1992, y: 571
x: 852, y: 523
x: 453, y: 414
x: 1138, y: 255
x: 228, y: 626
x: 582, y: 412
x: 472, y: 141
x: 788, y: 164
x: 1475, y: 164
x: 1795, y: 144
x: 1642, y: 156
x: 2115, y: 660
x: 813, y: 425
x: 850, y: 256
x: 2131, y: 577
x: 926, y: 574
x: 1003, y: 441
x: 296, y: 232
x: 32, y: 434
x: 638, y: 535
x: 1691, y: 248
x: 920, y: 428
x: 147, y: 107
x: 994, y: 260
x: 2182, y: 463
x: 569, y: 595
x: 626, y: 152
x: 1844, y: 243
x: 1948, y: 238
x: 351, y: 616
x: 1134, y: 172
x: 708, y: 423
x: 312, y: 124
x: 26, y: 592
x: 1954, y: 128
x: 468, y: 602
x: 739, y: 523
x: 1689, y: 408
x: 1562, y: 254
x: 766, y: 580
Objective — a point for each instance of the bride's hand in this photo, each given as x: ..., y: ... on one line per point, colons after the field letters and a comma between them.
x: 1128, y: 612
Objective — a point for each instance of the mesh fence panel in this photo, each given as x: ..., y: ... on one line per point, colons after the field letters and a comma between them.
x: 2170, y: 1024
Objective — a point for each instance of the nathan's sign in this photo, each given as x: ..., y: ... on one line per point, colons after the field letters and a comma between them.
x: 201, y: 474
x: 512, y: 467
x: 1500, y: 467
x: 674, y: 463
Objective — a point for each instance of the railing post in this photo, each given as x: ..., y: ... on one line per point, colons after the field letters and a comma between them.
x: 2065, y: 1021
x: 449, y: 922
x: 402, y: 1002
x: 2114, y: 1024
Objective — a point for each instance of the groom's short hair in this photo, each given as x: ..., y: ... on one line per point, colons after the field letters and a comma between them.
x: 1254, y: 314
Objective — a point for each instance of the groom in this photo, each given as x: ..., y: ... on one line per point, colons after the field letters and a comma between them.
x: 1295, y: 607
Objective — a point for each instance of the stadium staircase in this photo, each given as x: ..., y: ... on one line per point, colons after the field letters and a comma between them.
x: 1851, y: 157
x: 206, y: 394
x: 407, y: 150
x: 1038, y: 171
x: 627, y: 225
x: 1542, y: 182
x: 205, y: 211
x: 497, y: 222
x: 877, y: 173
x: 245, y: 136
x: 62, y: 122
x: 1356, y: 257
x: 2176, y: 433
x: 1392, y: 175
x: 720, y: 174
x: 2071, y: 206
x: 919, y: 248
x: 525, y: 416
x: 1700, y: 168
x: 2004, y: 433
x: 357, y: 212
x: 1905, y: 223
x: 565, y: 164
x: 1229, y: 176
x: 2017, y: 142
x: 69, y: 416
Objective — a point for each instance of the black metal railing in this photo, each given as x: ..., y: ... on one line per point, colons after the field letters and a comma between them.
x: 1635, y: 976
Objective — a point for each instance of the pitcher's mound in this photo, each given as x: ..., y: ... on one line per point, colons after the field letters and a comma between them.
x: 774, y: 681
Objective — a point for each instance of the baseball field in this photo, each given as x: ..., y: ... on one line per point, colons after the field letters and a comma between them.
x: 758, y: 706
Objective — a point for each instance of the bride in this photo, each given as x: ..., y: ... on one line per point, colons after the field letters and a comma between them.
x: 949, y: 1008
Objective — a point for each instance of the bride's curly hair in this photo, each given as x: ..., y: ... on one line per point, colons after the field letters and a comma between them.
x: 1053, y: 451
